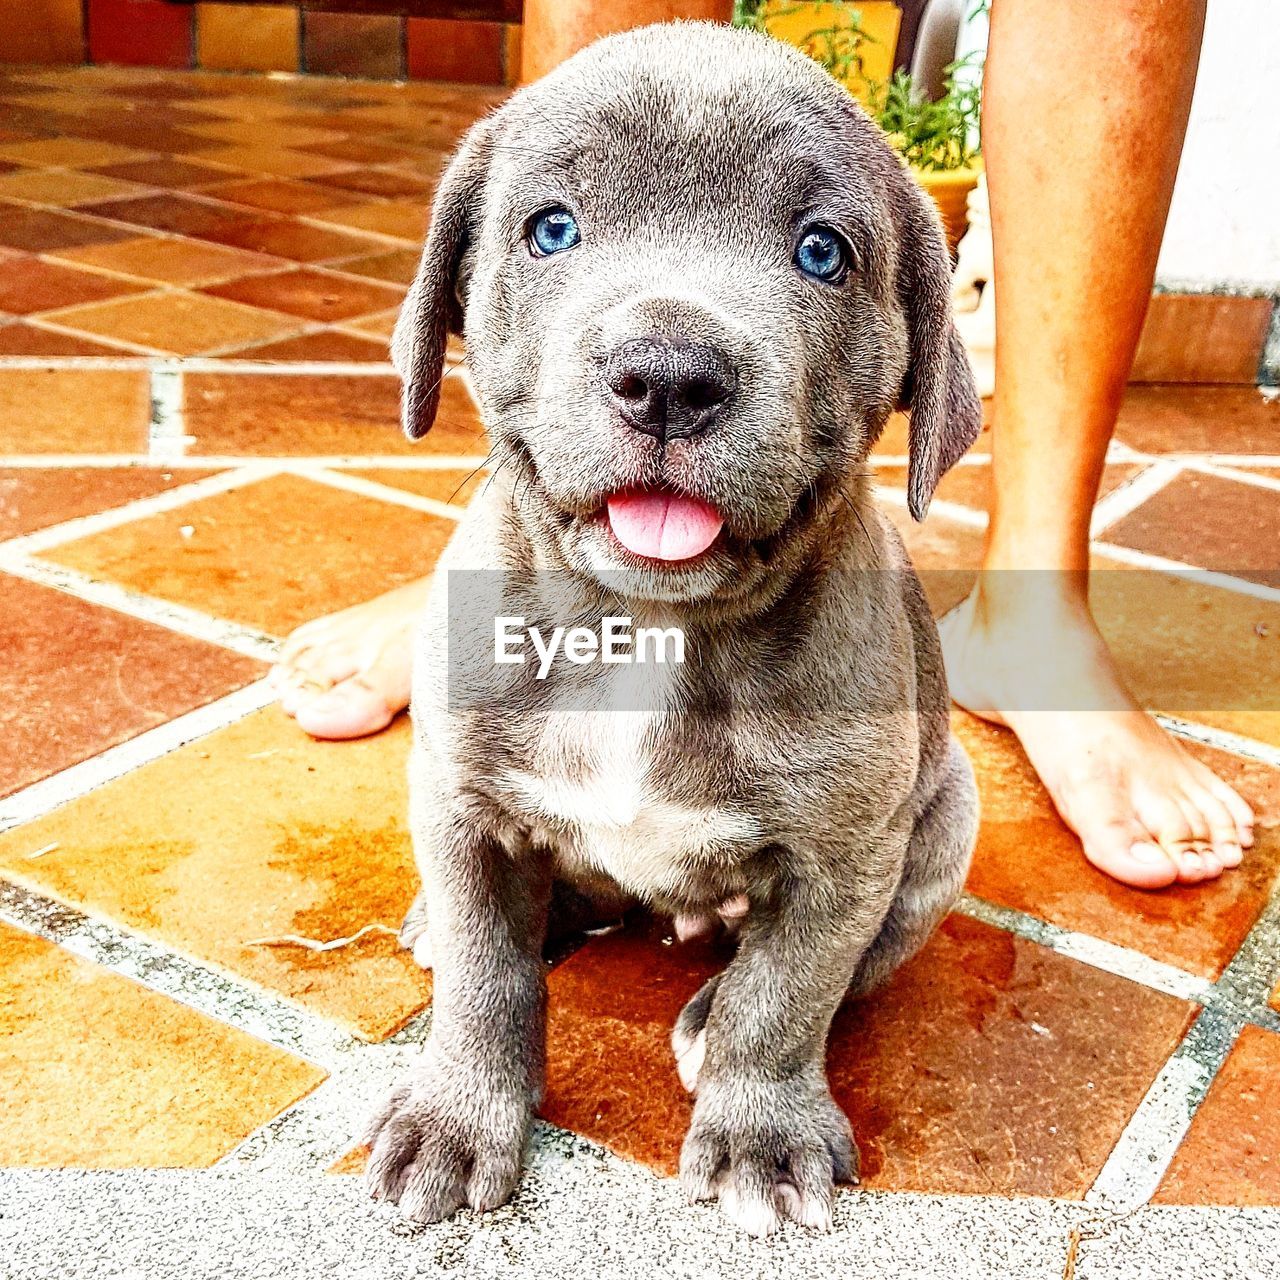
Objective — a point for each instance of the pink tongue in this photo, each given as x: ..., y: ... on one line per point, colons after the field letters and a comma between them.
x: 663, y: 526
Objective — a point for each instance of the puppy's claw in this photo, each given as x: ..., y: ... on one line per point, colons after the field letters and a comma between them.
x: 690, y: 1054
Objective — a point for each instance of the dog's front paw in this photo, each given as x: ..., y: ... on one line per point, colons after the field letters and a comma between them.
x: 444, y: 1140
x: 768, y: 1149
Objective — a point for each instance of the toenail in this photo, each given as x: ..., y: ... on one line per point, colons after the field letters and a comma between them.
x: 1149, y: 853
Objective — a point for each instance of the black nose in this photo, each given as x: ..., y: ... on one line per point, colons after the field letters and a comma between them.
x: 668, y: 388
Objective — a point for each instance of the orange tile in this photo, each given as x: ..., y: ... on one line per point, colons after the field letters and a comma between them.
x: 382, y: 324
x: 1231, y: 1155
x: 1189, y: 419
x: 184, y: 324
x: 170, y: 261
x: 988, y: 1065
x: 320, y: 345
x: 234, y: 37
x: 946, y: 554
x: 456, y: 487
x: 47, y: 31
x: 399, y: 266
x: 970, y: 486
x: 270, y: 555
x: 178, y: 175
x: 381, y: 182
x: 285, y: 834
x: 61, y: 187
x: 1192, y: 650
x: 249, y: 133
x: 99, y: 1072
x: 20, y: 339
x: 40, y: 230
x: 33, y: 497
x: 66, y: 153
x: 73, y: 411
x: 279, y: 161
x: 285, y: 415
x: 311, y: 294
x: 462, y: 51
x: 1027, y: 859
x: 404, y: 220
x: 1211, y: 522
x: 277, y: 195
x: 78, y: 678
x: 28, y: 285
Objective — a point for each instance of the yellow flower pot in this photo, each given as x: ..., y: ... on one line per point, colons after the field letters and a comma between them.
x: 949, y: 190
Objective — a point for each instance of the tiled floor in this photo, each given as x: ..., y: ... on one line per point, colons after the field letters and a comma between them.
x: 199, y: 430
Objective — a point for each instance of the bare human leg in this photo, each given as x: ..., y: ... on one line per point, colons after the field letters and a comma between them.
x: 1079, y: 197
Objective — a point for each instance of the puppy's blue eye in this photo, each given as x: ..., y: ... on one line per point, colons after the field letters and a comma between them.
x: 822, y: 254
x: 552, y: 232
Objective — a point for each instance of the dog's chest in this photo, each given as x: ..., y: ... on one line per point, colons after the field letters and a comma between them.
x: 600, y: 795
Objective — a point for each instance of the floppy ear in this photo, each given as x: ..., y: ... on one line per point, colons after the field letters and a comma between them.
x: 938, y: 391
x: 432, y: 308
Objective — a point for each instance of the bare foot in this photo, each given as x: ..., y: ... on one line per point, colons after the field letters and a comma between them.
x: 1028, y: 654
x: 347, y: 675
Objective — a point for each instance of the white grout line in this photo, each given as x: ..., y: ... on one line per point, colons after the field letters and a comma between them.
x: 1223, y: 739
x: 903, y: 460
x: 167, y: 438
x: 1213, y: 468
x: 1187, y: 572
x: 1124, y: 962
x: 1130, y: 495
x: 147, y: 359
x: 139, y: 508
x: 939, y: 506
x: 1271, y: 460
x: 163, y: 613
x: 50, y: 793
x: 381, y: 492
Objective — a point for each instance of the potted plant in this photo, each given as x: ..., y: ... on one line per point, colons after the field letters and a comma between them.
x: 939, y: 140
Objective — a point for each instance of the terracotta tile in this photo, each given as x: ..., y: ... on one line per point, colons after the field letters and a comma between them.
x: 73, y: 411
x: 234, y: 37
x: 893, y: 439
x: 183, y: 324
x: 99, y: 1072
x: 66, y: 153
x: 146, y: 33
x: 40, y: 230
x: 294, y: 240
x: 1187, y: 419
x: 28, y: 285
x: 170, y: 261
x: 449, y: 49
x: 970, y: 485
x: 348, y: 44
x: 452, y: 486
x: 250, y: 133
x: 1204, y: 520
x: 1027, y: 859
x: 277, y: 195
x: 404, y: 220
x: 287, y: 835
x: 361, y: 150
x: 314, y: 295
x: 33, y: 498
x: 177, y: 175
x: 278, y: 161
x: 52, y: 33
x: 78, y: 678
x: 946, y: 554
x: 988, y: 1065
x: 1202, y: 338
x: 381, y: 324
x: 1231, y: 1155
x: 399, y: 266
x: 270, y: 555
x: 323, y: 345
x: 294, y: 415
x: 21, y: 339
x: 1192, y: 650
x: 179, y: 214
x: 62, y: 187
x: 382, y: 182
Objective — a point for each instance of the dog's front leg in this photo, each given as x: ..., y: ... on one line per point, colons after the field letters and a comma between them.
x: 767, y: 1138
x: 453, y: 1133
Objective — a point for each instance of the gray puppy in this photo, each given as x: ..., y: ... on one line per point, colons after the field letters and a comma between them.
x: 694, y: 283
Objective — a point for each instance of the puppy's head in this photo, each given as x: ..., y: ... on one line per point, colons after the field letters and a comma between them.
x: 694, y: 282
